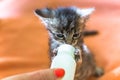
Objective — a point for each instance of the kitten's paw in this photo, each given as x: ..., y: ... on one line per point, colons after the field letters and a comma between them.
x: 77, y: 51
x: 77, y: 54
x: 98, y: 72
x: 55, y: 51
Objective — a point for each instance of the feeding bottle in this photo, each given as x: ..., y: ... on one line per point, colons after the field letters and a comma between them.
x: 65, y: 59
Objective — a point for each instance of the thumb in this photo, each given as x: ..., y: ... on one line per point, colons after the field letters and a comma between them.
x: 46, y: 74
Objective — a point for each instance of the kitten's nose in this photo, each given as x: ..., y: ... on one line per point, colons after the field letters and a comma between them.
x: 68, y: 40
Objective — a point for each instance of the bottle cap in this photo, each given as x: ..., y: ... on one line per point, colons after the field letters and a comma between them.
x: 66, y: 49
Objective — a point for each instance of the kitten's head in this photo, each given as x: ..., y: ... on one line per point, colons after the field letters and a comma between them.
x: 65, y: 24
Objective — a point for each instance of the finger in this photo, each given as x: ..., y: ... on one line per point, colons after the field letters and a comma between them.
x: 48, y: 74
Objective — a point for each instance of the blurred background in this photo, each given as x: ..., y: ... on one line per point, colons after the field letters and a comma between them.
x: 24, y: 40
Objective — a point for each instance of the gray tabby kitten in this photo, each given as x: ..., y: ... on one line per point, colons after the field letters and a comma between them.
x: 66, y: 26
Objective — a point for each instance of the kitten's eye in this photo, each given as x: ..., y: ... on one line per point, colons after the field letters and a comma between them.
x: 59, y: 35
x: 76, y: 35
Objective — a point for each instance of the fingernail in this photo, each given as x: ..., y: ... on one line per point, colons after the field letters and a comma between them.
x: 59, y: 72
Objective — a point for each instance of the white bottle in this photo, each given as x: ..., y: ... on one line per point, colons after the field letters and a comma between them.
x: 65, y: 59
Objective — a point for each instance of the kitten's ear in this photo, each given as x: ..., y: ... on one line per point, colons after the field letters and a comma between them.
x: 85, y: 13
x: 45, y: 13
x: 47, y: 16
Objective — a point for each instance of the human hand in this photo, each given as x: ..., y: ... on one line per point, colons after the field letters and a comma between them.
x: 47, y: 74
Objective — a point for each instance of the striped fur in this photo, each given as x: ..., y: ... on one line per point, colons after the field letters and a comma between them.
x: 66, y: 25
